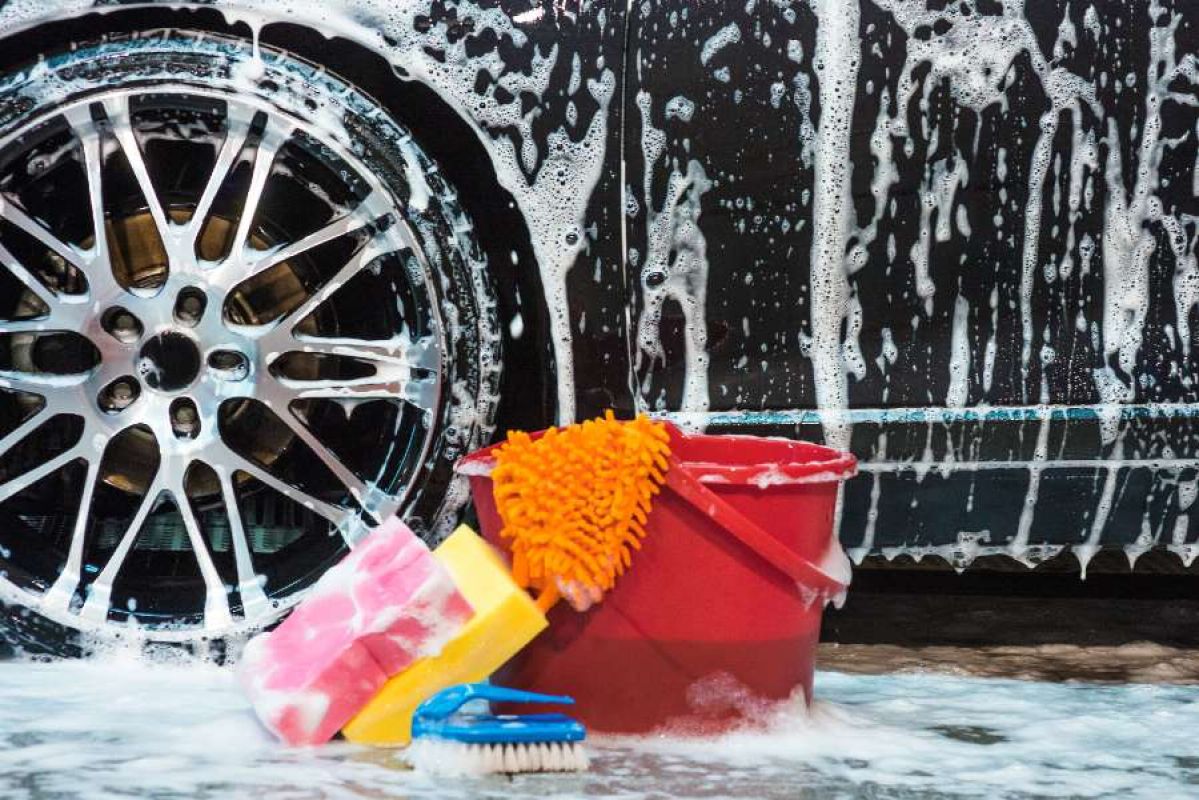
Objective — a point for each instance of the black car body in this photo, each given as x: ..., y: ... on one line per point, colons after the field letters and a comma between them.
x: 956, y: 238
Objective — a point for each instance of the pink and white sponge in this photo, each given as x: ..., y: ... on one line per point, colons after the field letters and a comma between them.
x: 388, y: 604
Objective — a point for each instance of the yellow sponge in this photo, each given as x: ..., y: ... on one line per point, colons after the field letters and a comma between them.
x: 506, y: 619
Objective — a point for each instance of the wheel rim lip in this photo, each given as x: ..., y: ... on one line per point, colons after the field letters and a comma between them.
x: 188, y: 631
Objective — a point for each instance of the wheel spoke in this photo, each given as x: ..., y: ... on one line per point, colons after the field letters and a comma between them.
x: 254, y: 602
x: 60, y: 594
x: 95, y: 608
x: 38, y: 382
x: 274, y: 136
x: 339, y: 227
x: 26, y: 277
x: 37, y: 325
x: 19, y: 217
x: 354, y: 485
x: 238, y: 130
x: 399, y: 354
x: 278, y: 333
x: 402, y: 370
x: 100, y: 278
x: 216, y: 603
x: 122, y: 128
x: 20, y: 483
x: 420, y: 392
x: 22, y: 431
x: 340, y: 517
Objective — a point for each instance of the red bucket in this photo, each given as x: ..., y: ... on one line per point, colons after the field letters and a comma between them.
x: 721, y: 608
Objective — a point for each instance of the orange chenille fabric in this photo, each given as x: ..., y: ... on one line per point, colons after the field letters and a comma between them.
x: 574, y: 503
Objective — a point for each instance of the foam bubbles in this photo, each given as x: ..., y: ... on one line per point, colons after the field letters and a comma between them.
x: 676, y: 262
x: 121, y: 726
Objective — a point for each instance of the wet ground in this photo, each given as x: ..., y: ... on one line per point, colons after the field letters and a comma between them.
x: 119, y: 728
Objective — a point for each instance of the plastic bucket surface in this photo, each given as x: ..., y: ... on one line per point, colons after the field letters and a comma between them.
x: 721, y: 608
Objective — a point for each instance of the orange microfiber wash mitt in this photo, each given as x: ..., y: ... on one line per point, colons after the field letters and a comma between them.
x: 574, y: 503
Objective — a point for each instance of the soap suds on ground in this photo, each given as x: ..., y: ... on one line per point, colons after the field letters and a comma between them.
x: 120, y: 727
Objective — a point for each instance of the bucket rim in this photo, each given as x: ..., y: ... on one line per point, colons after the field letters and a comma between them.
x: 833, y: 466
x: 691, y: 481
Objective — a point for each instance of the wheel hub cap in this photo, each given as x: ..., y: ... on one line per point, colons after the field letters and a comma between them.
x: 170, y: 362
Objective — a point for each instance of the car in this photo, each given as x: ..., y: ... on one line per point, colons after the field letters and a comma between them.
x: 344, y: 244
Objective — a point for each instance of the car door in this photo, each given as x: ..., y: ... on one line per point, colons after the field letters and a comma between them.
x: 956, y: 238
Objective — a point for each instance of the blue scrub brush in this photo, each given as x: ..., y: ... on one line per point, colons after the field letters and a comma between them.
x: 446, y: 739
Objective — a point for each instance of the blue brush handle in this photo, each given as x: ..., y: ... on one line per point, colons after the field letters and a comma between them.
x: 446, y: 703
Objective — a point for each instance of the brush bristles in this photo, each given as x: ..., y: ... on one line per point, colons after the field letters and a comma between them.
x: 455, y: 758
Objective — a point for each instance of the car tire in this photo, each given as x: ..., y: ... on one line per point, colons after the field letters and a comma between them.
x: 317, y: 368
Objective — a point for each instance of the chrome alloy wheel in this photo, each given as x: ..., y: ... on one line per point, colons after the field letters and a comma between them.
x: 221, y: 359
